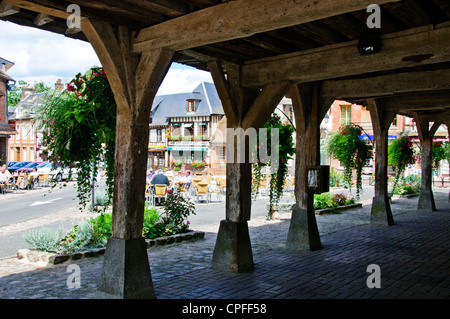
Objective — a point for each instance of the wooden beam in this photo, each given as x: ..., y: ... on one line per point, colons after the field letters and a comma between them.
x: 264, y: 105
x: 381, y: 120
x: 385, y: 85
x: 399, y: 50
x: 418, y: 101
x: 28, y: 5
x: 7, y: 9
x: 43, y: 18
x: 239, y: 19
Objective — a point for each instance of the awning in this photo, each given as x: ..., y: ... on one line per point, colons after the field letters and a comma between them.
x: 187, y: 148
x: 367, y: 137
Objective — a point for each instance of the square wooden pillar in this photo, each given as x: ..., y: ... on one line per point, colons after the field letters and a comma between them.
x: 309, y: 111
x: 381, y: 213
x: 246, y: 109
x: 134, y: 80
x: 426, y: 135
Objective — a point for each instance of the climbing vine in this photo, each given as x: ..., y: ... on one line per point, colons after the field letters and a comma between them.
x: 78, y: 128
x: 347, y: 147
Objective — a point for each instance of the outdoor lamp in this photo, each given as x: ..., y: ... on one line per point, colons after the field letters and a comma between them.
x: 369, y: 43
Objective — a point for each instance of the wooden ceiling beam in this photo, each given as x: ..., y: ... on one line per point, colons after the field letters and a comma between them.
x: 240, y: 19
x: 385, y: 85
x: 399, y: 50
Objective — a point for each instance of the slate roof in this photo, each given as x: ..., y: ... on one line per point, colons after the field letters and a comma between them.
x: 207, y: 102
x: 26, y: 108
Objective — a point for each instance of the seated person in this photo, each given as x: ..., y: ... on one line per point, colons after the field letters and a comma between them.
x: 188, y: 179
x: 34, y: 177
x: 160, y: 178
x: 5, y: 175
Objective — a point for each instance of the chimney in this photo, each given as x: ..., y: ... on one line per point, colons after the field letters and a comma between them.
x: 26, y: 91
x: 59, y: 86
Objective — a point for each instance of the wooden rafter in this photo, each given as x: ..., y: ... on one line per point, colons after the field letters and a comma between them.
x: 399, y: 50
x: 235, y: 22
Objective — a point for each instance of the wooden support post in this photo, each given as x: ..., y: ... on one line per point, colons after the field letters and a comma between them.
x: 381, y: 213
x: 448, y: 134
x: 246, y: 110
x: 309, y: 110
x: 134, y: 80
x: 426, y: 135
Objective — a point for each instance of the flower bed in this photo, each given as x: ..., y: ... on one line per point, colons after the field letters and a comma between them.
x: 43, y: 257
x: 92, y: 235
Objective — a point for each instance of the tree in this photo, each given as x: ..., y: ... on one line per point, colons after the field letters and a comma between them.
x: 351, y: 151
x: 78, y: 127
x: 14, y: 96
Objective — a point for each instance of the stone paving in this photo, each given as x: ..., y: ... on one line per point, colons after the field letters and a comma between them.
x: 413, y: 257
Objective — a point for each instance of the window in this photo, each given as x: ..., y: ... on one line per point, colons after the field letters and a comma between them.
x: 153, y: 136
x: 203, y: 129
x: 346, y: 115
x: 395, y: 122
x: 287, y: 109
x: 191, y: 105
x: 159, y: 135
x: 176, y: 129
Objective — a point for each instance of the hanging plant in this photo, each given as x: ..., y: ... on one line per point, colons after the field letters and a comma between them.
x: 440, y: 153
x: 286, y: 150
x: 347, y: 147
x: 400, y: 154
x: 78, y: 128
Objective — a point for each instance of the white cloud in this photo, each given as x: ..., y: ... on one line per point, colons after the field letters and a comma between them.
x: 180, y: 80
x: 44, y: 56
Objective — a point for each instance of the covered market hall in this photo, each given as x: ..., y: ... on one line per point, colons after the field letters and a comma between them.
x: 391, y: 56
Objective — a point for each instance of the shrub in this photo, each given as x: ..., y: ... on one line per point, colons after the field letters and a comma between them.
x: 322, y: 201
x: 339, y: 200
x: 326, y: 200
x: 44, y: 239
x: 176, y: 211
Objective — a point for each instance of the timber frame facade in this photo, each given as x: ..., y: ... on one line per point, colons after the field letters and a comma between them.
x: 257, y: 52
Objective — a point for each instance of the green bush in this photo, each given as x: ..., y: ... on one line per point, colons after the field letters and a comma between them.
x: 95, y: 232
x: 44, y: 239
x: 327, y: 200
x: 324, y: 200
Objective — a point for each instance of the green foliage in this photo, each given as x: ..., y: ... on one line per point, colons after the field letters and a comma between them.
x: 322, y: 201
x: 83, y: 236
x: 327, y: 200
x: 79, y: 128
x: 15, y: 96
x: 176, y: 211
x: 285, y: 149
x: 400, y: 154
x: 441, y: 152
x: 410, y: 184
x: 351, y: 151
x: 335, y: 177
x: 44, y: 239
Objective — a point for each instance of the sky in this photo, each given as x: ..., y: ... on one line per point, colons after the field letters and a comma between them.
x: 45, y: 56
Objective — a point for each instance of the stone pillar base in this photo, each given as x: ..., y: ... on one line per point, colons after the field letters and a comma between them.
x: 233, y: 250
x: 126, y: 271
x: 381, y: 213
x: 303, y: 232
x: 426, y: 200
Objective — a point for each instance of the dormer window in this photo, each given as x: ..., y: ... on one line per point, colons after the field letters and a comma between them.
x: 191, y: 105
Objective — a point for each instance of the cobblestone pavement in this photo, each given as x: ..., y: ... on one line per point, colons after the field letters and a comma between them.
x: 413, y: 257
